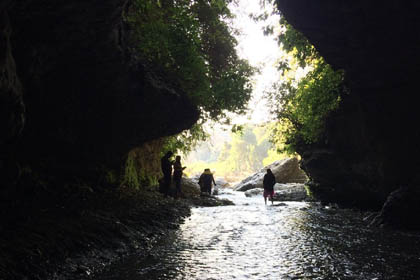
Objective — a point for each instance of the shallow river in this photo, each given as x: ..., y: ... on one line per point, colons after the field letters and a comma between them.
x: 291, y: 240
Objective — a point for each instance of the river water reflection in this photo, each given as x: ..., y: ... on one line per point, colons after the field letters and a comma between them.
x: 292, y: 240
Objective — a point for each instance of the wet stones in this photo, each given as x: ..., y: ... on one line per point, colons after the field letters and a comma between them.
x: 283, y: 192
x: 400, y: 210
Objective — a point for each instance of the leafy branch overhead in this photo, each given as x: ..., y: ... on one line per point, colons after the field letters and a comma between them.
x: 191, y: 43
x: 307, y: 92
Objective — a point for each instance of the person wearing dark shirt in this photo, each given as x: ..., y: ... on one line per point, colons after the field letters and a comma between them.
x: 178, y: 168
x: 206, y: 180
x: 166, y: 166
x: 268, y: 182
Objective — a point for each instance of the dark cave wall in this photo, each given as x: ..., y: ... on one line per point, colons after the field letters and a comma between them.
x: 370, y: 146
x: 72, y: 90
x: 12, y: 108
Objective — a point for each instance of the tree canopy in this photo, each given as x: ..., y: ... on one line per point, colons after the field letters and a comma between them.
x: 236, y: 155
x: 302, y: 103
x: 192, y: 44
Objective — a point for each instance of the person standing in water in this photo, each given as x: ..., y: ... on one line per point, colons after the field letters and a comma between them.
x: 206, y: 180
x: 166, y: 166
x: 178, y: 168
x: 268, y: 182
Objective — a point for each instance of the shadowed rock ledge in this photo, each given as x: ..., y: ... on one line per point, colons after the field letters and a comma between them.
x: 74, y: 100
x: 370, y: 146
x: 88, y: 99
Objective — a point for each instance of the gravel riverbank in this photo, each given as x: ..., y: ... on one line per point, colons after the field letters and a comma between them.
x: 73, y: 235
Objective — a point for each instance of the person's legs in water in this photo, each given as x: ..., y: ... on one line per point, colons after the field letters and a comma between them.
x: 265, y: 197
x: 167, y: 184
x: 177, y: 187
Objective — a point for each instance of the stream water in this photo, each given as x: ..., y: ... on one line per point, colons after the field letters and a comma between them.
x: 291, y: 240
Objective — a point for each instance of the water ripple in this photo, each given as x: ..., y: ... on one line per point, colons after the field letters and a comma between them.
x: 295, y: 241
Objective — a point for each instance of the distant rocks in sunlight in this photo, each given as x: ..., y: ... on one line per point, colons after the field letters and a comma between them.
x: 285, y: 171
x: 192, y: 194
x: 290, y: 192
x: 283, y: 192
x: 221, y: 182
x: 190, y: 183
x: 211, y: 201
x: 254, y: 192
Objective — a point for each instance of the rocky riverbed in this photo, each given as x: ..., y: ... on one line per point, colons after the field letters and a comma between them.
x: 284, y: 192
x: 73, y: 235
x: 285, y: 171
x: 289, y: 240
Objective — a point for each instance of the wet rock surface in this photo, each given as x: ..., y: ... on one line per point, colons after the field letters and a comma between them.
x: 285, y: 171
x: 73, y: 234
x: 211, y: 201
x: 283, y: 192
x: 400, y: 210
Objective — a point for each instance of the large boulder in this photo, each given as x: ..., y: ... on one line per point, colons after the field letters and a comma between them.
x: 221, y: 182
x: 400, y: 210
x: 290, y: 192
x: 285, y: 171
x: 189, y: 183
x: 283, y: 192
x: 254, y: 192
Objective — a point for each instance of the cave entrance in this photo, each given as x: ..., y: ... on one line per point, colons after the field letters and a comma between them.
x: 235, y: 151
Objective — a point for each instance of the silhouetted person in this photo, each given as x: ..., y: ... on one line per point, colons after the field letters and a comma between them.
x: 178, y: 175
x: 166, y: 166
x: 205, y: 181
x: 268, y: 183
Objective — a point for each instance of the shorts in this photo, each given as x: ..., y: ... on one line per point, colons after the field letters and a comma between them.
x: 268, y: 193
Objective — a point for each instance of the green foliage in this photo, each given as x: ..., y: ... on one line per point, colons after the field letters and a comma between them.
x: 308, y: 89
x: 272, y: 156
x: 303, y: 103
x: 191, y: 44
x: 304, y: 108
x: 111, y: 177
x: 248, y: 150
x: 136, y: 173
x: 294, y: 42
x: 131, y: 177
x: 185, y: 141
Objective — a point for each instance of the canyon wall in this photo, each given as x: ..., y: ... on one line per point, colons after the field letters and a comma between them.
x: 370, y: 146
x: 73, y: 95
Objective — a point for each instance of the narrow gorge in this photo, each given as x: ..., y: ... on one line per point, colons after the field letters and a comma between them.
x: 76, y: 100
x: 370, y: 146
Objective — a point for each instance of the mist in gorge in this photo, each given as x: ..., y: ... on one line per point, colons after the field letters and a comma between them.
x: 234, y: 155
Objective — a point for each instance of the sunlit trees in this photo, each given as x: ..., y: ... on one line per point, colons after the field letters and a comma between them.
x: 248, y: 150
x: 192, y: 46
x: 307, y: 91
x: 302, y: 104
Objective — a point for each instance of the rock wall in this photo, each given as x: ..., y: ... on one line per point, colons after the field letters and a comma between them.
x: 73, y: 92
x: 370, y: 146
x: 12, y: 108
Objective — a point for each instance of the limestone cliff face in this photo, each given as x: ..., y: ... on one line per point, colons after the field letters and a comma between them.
x: 370, y: 147
x: 66, y: 69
